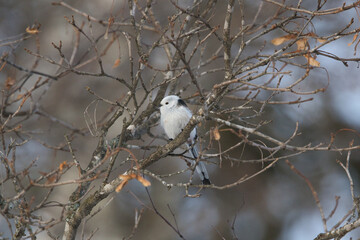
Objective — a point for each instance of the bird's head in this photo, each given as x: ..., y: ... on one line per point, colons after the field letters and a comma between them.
x: 169, y: 102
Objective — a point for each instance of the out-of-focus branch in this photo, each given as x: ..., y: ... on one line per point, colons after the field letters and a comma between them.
x: 317, y: 13
x: 27, y: 70
x: 223, y: 65
x: 339, y: 232
x: 312, y: 189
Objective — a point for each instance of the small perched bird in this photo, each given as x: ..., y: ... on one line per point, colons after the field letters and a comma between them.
x: 175, y: 115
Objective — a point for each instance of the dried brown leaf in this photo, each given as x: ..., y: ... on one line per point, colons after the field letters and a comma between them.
x: 143, y: 181
x: 311, y: 34
x: 51, y: 179
x: 9, y: 83
x: 281, y: 40
x: 312, y: 61
x: 32, y: 30
x: 302, y: 44
x: 63, y: 165
x: 116, y: 63
x: 126, y: 178
x: 121, y: 185
x: 354, y: 39
x: 320, y: 40
x: 20, y: 96
x: 216, y: 134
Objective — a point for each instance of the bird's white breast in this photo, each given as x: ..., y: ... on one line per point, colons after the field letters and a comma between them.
x: 174, y: 121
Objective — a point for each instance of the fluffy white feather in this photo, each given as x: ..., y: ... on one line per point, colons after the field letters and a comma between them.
x: 175, y: 115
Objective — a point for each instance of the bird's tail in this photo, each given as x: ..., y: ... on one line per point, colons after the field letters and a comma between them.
x: 200, y: 167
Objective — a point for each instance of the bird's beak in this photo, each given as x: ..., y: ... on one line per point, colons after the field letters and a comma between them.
x: 159, y: 106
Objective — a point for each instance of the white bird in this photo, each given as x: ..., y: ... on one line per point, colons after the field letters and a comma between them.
x: 175, y: 115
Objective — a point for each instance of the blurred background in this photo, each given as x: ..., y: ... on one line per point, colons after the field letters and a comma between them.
x: 275, y: 205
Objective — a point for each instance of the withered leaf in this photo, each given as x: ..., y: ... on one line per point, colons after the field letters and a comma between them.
x: 126, y: 178
x: 9, y: 83
x: 311, y: 34
x: 121, y: 185
x: 312, y: 61
x: 20, y: 96
x: 281, y: 40
x: 116, y: 63
x: 32, y: 30
x: 143, y: 181
x: 354, y: 39
x: 216, y: 134
x: 302, y: 44
x: 63, y: 165
x: 320, y: 40
x: 51, y: 179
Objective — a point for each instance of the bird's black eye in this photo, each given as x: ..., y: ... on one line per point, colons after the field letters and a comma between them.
x: 167, y: 103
